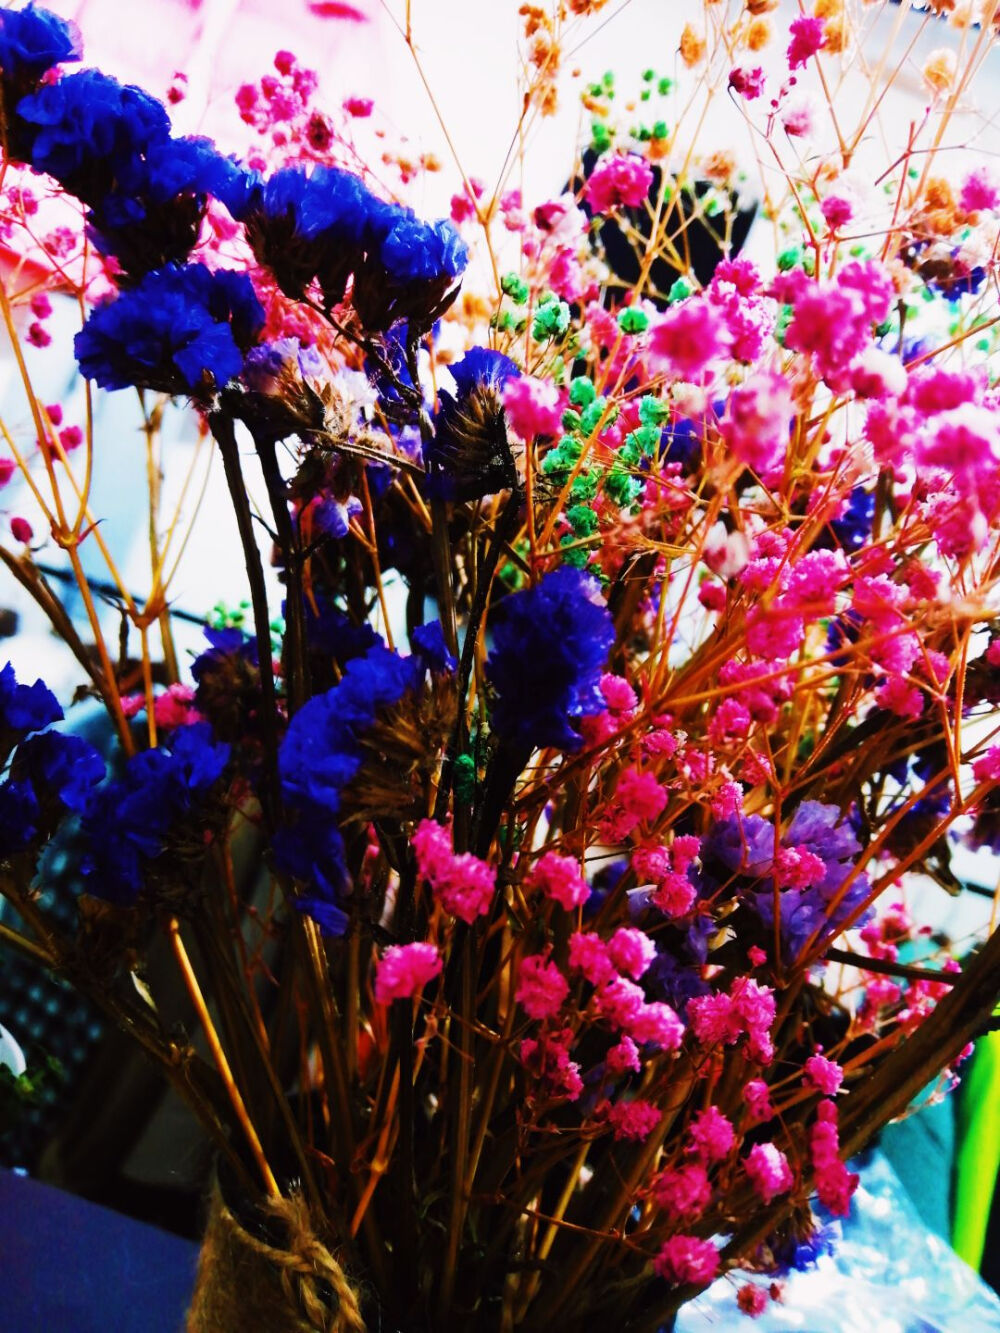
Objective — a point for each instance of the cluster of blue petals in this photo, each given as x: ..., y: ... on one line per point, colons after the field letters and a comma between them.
x: 744, y: 846
x: 325, y: 225
x: 48, y: 773
x: 24, y: 708
x: 323, y: 750
x: 32, y: 40
x: 181, y: 330
x: 550, y: 645
x: 470, y: 456
x: 110, y: 144
x: 127, y: 822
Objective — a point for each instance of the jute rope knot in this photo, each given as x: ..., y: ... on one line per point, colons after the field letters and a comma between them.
x: 244, y: 1283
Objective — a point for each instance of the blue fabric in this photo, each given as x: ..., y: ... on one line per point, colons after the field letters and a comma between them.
x: 70, y: 1265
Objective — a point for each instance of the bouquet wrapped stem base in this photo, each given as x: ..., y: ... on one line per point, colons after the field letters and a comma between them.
x: 245, y: 1281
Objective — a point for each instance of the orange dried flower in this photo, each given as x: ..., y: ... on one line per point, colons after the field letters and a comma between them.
x: 692, y: 47
x: 836, y: 37
x: 761, y: 6
x: 940, y: 69
x: 719, y: 166
x: 535, y: 19
x: 758, y: 34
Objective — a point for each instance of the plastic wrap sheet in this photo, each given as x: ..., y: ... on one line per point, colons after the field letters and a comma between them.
x: 887, y: 1274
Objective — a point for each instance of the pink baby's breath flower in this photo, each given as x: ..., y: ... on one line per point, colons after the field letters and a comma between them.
x: 684, y: 1193
x: 621, y: 181
x: 798, y: 119
x: 757, y: 1096
x: 806, y: 39
x: 589, y: 954
x: 756, y: 424
x: 559, y: 878
x: 749, y: 83
x: 769, y: 1172
x: 714, y: 1020
x: 686, y: 1259
x: 175, y: 707
x: 432, y: 847
x: 656, y: 1024
x: 687, y: 339
x: 987, y: 767
x: 834, y: 1183
x: 674, y: 895
x: 464, y: 885
x: 823, y: 1074
x: 631, y: 951
x: 979, y: 192
x: 358, y: 107
x: 710, y: 1135
x: 620, y: 1002
x: 532, y: 406
x: 624, y: 1056
x: 752, y: 1300
x: 541, y: 987
x: 405, y: 969
x: 639, y: 795
x: 618, y: 693
x: 837, y: 211
x: 632, y: 1120
x: 20, y: 529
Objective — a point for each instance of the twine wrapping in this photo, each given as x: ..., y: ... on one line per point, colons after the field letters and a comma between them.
x: 243, y: 1283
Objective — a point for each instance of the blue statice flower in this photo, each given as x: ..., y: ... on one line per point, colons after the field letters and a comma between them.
x: 429, y: 646
x: 181, y: 330
x: 50, y: 774
x: 20, y: 816
x: 278, y: 396
x: 550, y: 645
x: 409, y: 270
x: 470, y: 454
x: 60, y: 767
x: 152, y: 216
x: 741, y: 850
x: 23, y: 709
x: 32, y: 40
x: 323, y: 750
x: 128, y: 823
x: 304, y: 226
x: 227, y: 681
x: 83, y: 128
x: 332, y: 634
x: 854, y: 527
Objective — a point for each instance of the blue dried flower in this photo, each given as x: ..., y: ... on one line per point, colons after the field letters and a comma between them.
x: 304, y: 226
x: 127, y: 823
x: 60, y: 768
x: 470, y: 454
x: 744, y: 847
x: 429, y: 645
x: 32, y: 40
x: 84, y: 128
x: 550, y: 644
x: 322, y: 752
x: 322, y: 748
x: 153, y: 214
x: 24, y: 708
x: 181, y: 330
x: 20, y: 816
x: 409, y: 271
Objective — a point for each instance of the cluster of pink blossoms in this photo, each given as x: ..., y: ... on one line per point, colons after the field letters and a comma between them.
x: 463, y: 884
